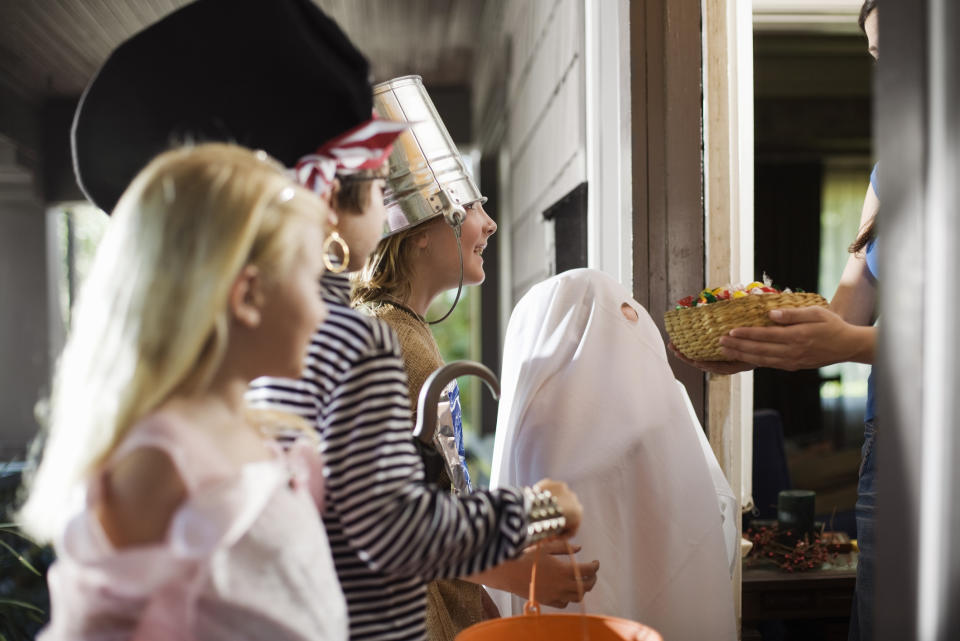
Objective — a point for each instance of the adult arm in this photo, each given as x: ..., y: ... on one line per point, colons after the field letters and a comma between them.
x: 856, y: 297
x: 812, y: 337
x: 804, y: 338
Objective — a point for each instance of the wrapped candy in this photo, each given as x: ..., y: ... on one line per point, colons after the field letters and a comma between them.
x: 728, y: 292
x: 696, y: 324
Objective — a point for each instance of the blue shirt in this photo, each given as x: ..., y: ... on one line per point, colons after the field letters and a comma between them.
x: 871, y: 258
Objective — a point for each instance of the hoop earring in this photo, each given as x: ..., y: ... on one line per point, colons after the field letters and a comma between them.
x: 332, y: 267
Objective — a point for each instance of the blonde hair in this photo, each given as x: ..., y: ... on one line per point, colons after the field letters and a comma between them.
x: 152, y: 318
x: 388, y: 271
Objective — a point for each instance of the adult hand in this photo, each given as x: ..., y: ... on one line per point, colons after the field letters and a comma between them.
x: 568, y: 502
x: 722, y: 368
x: 803, y: 338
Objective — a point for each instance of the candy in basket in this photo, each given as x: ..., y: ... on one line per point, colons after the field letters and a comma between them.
x: 696, y: 324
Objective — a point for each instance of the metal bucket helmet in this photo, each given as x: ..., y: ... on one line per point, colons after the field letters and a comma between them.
x: 427, y: 176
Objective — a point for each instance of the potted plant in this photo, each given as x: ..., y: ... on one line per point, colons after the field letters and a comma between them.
x: 24, y: 601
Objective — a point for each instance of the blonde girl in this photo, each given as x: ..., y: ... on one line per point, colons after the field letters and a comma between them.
x: 171, y: 515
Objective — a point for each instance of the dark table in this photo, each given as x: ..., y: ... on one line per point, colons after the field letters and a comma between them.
x: 826, y: 595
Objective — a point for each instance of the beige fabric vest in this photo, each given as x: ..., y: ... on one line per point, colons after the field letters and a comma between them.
x: 453, y: 604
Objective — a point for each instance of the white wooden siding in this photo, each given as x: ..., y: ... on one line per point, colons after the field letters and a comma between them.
x: 539, y: 122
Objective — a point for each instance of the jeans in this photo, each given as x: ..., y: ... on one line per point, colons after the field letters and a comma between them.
x: 861, y: 616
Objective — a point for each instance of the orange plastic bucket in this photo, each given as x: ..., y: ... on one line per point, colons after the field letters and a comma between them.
x: 559, y: 627
x: 534, y: 626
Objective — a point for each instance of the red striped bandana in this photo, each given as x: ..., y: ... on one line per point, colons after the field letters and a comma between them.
x: 366, y: 146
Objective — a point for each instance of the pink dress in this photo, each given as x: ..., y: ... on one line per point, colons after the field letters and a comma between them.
x: 245, y: 557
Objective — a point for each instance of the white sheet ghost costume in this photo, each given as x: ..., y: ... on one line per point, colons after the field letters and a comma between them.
x: 589, y: 399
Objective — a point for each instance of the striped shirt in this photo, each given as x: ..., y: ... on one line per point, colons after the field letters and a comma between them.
x: 389, y: 532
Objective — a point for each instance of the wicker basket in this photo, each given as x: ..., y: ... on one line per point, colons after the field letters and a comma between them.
x: 696, y: 331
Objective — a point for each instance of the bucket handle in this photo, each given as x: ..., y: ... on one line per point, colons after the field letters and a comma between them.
x: 531, y: 607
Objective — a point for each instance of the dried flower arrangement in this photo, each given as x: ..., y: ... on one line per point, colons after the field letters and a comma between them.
x: 788, y: 552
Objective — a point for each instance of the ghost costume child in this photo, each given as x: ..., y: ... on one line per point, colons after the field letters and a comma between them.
x: 588, y: 397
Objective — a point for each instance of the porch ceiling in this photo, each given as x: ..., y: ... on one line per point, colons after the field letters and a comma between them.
x: 807, y: 16
x: 51, y: 48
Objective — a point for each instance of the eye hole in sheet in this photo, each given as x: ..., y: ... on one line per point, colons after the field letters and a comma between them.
x: 629, y: 312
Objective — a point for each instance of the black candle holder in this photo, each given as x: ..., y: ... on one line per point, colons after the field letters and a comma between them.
x: 795, y: 509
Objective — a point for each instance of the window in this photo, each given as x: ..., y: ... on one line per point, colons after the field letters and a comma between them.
x: 843, y: 391
x: 79, y: 228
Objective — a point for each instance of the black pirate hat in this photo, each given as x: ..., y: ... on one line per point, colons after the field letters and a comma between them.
x: 277, y: 75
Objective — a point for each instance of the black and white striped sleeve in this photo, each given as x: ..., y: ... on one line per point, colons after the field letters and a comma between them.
x: 394, y: 522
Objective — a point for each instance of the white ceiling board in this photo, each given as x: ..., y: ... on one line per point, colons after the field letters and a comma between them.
x: 53, y: 47
x: 807, y: 16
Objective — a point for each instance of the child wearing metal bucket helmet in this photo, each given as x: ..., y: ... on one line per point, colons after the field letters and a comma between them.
x: 436, y: 232
x: 287, y: 80
x: 389, y: 531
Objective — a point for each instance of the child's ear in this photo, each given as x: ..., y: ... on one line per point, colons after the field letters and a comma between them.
x: 246, y: 297
x: 421, y: 240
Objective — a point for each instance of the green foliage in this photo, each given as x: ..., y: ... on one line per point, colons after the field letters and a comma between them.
x: 24, y: 601
x: 80, y: 227
x: 458, y: 339
x: 455, y: 338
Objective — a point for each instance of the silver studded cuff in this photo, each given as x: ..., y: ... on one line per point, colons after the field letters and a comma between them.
x: 544, y: 516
